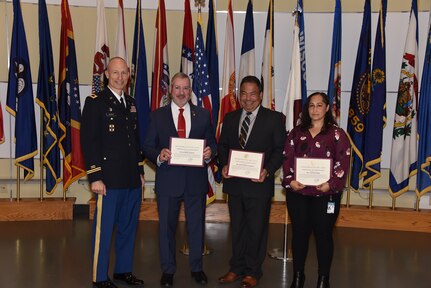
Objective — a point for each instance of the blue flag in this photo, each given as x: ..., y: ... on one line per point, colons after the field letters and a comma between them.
x: 360, y: 97
x: 424, y: 125
x: 267, y: 73
x: 302, y: 51
x: 212, y: 56
x: 19, y: 102
x: 334, y: 85
x: 139, y: 89
x: 47, y: 100
x: 376, y: 118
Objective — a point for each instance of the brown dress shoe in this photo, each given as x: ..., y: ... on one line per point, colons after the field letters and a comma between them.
x: 248, y: 282
x: 229, y: 277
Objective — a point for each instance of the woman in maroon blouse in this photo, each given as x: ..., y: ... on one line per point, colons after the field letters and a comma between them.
x: 315, y: 208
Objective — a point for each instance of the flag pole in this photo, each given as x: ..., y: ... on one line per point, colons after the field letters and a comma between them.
x: 349, y: 180
x: 370, y: 196
x: 42, y: 157
x: 284, y: 254
x: 18, y: 185
x: 394, y: 202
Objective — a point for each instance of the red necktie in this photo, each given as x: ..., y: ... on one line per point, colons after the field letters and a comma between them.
x: 181, y: 124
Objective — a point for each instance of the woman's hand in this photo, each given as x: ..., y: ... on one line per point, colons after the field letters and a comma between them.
x: 324, y: 187
x: 296, y: 186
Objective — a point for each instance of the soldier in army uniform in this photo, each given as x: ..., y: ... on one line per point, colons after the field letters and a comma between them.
x: 110, y: 143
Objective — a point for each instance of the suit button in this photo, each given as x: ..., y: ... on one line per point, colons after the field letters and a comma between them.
x: 130, y: 144
x: 127, y: 118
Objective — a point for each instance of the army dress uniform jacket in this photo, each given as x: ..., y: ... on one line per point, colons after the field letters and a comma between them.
x: 110, y: 141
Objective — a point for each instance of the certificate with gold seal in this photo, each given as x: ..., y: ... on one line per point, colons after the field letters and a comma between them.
x: 312, y: 171
x: 187, y: 151
x: 245, y: 164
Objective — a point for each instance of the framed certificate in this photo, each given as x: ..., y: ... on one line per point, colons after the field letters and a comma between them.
x: 187, y: 151
x: 312, y: 171
x: 245, y: 164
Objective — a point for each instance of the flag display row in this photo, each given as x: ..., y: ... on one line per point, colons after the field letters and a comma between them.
x: 199, y: 59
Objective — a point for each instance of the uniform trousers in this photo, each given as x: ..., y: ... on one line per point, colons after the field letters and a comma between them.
x: 118, y: 210
x: 310, y: 214
x: 249, y: 221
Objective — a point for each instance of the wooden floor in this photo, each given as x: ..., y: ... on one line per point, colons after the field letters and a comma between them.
x: 51, y: 254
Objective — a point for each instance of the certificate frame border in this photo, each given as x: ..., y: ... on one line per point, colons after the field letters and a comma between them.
x: 261, y: 164
x: 316, y: 158
x: 187, y: 165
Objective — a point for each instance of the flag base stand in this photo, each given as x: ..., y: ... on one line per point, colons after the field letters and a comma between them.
x: 284, y: 254
x: 185, y: 250
x: 33, y: 209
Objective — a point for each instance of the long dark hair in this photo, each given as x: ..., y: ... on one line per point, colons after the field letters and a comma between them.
x: 305, y: 115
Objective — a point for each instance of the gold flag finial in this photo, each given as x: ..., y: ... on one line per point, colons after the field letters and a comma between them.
x: 199, y: 4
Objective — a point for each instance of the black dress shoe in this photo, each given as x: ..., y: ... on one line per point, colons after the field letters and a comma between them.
x: 200, y: 277
x: 323, y: 281
x: 129, y: 279
x: 298, y: 280
x: 104, y: 284
x: 167, y: 280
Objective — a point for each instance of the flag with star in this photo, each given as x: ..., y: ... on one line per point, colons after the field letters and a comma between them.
x: 19, y: 101
x: 404, y: 135
x: 69, y: 104
x: 202, y: 90
x: 187, y: 48
x: 47, y: 100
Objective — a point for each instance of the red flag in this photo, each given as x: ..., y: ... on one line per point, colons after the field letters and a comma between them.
x: 228, y: 101
x: 69, y: 103
x: 101, y: 55
x: 187, y: 47
x: 160, y: 82
x: 120, y: 43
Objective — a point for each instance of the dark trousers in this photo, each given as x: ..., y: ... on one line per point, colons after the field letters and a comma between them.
x: 249, y: 221
x: 119, y: 208
x: 169, y: 208
x: 309, y: 214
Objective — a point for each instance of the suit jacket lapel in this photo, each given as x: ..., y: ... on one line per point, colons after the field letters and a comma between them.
x: 170, y: 122
x: 257, y: 126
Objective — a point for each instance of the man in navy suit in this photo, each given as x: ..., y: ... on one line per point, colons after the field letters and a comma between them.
x: 177, y: 183
x: 249, y: 201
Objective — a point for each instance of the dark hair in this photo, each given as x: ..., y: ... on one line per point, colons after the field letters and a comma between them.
x: 252, y: 79
x: 305, y: 115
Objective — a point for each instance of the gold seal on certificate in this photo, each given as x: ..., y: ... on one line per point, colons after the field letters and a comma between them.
x: 312, y: 171
x: 245, y: 164
x: 187, y: 152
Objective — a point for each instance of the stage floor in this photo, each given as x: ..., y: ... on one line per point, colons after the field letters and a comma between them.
x: 51, y: 254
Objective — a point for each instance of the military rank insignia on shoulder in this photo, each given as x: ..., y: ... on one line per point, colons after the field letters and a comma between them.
x: 94, y: 96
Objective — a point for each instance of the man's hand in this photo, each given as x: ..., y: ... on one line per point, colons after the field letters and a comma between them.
x: 296, y: 186
x: 98, y: 187
x: 142, y: 180
x: 224, y: 172
x: 207, y: 153
x: 164, y: 155
x: 262, y: 177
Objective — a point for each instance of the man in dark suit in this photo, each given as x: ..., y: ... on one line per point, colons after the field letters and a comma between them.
x: 249, y: 201
x: 177, y: 183
x: 110, y: 144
